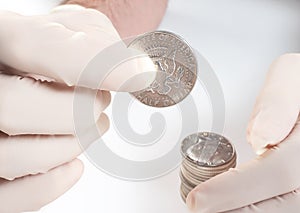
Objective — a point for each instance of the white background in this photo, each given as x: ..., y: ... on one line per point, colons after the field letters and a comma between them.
x: 240, y: 39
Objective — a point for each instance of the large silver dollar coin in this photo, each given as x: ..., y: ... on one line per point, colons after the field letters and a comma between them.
x: 176, y: 67
x: 207, y: 149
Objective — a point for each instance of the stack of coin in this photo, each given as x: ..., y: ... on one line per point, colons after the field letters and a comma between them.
x: 205, y: 155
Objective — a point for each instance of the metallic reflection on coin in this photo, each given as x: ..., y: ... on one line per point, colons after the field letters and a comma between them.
x: 205, y: 155
x: 176, y: 68
x: 207, y: 149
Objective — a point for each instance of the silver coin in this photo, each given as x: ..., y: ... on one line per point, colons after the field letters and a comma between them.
x: 176, y: 67
x: 185, y: 180
x: 195, y: 168
x: 207, y: 149
x: 183, y: 193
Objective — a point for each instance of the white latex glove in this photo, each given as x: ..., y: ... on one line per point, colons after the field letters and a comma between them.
x: 60, y: 45
x: 38, y: 145
x: 270, y: 183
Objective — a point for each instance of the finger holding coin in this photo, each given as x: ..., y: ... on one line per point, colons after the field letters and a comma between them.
x: 176, y: 67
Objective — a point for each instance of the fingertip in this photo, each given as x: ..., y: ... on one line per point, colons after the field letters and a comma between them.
x: 93, y: 133
x: 102, y: 101
x: 147, y: 74
x: 60, y: 180
x: 103, y: 123
x: 77, y: 167
x: 197, y: 200
x: 65, y: 176
x: 71, y: 171
x: 255, y: 141
x: 106, y: 95
x: 191, y: 200
x: 106, y: 99
x: 258, y: 144
x: 270, y: 126
x: 131, y: 75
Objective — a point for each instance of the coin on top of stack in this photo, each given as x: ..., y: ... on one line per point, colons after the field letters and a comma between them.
x: 205, y: 155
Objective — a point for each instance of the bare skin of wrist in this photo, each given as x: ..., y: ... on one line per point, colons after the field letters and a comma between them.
x: 129, y: 17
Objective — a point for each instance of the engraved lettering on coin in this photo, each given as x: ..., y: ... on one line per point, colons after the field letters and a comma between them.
x: 176, y: 68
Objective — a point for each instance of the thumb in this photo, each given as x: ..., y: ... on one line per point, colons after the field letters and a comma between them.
x: 118, y: 68
x: 277, y: 107
x: 132, y: 75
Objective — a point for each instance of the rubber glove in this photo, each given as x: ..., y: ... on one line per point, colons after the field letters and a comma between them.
x: 60, y: 45
x: 38, y: 144
x: 269, y: 183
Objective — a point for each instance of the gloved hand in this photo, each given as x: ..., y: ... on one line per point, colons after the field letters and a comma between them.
x: 270, y: 183
x: 38, y: 144
x: 61, y: 44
